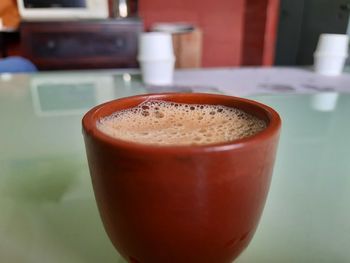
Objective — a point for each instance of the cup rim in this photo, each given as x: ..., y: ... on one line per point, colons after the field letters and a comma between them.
x: 173, y: 27
x: 93, y: 115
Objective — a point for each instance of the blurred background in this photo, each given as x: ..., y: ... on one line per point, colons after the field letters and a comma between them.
x: 77, y: 34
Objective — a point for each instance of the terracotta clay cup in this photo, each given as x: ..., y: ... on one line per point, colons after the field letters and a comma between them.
x: 181, y: 204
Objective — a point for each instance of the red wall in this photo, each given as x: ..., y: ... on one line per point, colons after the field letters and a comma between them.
x: 235, y: 32
x: 220, y: 20
x: 260, y: 29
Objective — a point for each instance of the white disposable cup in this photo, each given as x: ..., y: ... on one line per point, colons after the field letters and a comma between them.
x: 157, y: 72
x: 155, y: 46
x: 336, y: 44
x: 329, y: 65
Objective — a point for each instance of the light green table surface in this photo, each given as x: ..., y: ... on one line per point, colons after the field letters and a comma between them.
x: 47, y: 208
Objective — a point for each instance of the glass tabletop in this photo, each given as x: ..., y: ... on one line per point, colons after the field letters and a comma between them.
x: 47, y: 208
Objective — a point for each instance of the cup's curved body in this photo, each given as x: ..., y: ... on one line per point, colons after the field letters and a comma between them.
x: 181, y: 203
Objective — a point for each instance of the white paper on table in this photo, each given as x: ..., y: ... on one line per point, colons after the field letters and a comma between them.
x: 259, y: 80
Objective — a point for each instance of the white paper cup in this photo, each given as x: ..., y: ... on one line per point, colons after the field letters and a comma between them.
x: 336, y: 44
x: 157, y: 72
x: 329, y: 65
x: 155, y: 46
x: 156, y: 58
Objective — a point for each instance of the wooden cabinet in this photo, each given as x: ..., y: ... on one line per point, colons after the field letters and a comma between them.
x: 81, y: 44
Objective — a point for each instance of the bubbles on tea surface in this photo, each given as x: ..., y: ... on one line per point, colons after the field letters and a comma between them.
x: 168, y: 123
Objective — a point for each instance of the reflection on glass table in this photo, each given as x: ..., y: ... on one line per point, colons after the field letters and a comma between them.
x: 47, y: 208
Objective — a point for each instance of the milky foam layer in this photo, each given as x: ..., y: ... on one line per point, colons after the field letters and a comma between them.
x: 168, y: 123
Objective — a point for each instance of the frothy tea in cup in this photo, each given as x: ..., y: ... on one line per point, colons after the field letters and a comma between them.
x: 170, y: 123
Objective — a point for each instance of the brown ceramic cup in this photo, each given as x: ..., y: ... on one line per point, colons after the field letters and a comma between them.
x: 181, y: 204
